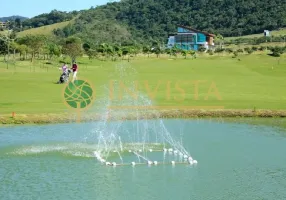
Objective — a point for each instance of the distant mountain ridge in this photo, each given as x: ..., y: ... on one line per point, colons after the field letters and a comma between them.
x: 12, y: 18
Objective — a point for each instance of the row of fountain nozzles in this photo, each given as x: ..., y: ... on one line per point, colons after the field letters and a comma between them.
x: 186, y: 157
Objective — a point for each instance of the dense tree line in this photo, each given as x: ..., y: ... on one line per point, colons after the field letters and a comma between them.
x: 47, y: 48
x: 53, y: 17
x: 18, y: 23
x: 49, y: 18
x: 155, y: 19
x: 128, y: 21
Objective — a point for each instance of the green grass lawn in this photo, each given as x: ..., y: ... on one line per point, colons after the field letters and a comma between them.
x: 253, y: 81
x: 280, y: 32
x: 44, y: 30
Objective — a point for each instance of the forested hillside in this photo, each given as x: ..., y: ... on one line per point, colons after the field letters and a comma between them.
x: 154, y: 19
x: 148, y: 20
x: 18, y: 23
x: 53, y: 17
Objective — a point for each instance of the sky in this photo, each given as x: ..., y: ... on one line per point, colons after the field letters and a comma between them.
x: 31, y: 8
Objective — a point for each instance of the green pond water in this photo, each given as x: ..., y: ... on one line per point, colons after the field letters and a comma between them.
x: 235, y: 161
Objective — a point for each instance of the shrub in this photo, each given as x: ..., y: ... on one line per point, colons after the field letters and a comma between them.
x: 202, y: 49
x: 240, y: 51
x: 235, y: 54
x: 228, y: 50
x: 275, y: 54
x: 248, y: 50
x: 219, y: 50
x: 210, y: 52
x: 262, y: 48
x: 254, y: 48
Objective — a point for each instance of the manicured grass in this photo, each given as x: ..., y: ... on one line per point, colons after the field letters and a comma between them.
x: 280, y: 32
x: 254, y: 81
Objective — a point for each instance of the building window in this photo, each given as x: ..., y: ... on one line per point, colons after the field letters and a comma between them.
x: 184, y: 38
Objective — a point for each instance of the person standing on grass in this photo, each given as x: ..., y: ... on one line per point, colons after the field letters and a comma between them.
x: 64, y: 68
x: 74, y: 69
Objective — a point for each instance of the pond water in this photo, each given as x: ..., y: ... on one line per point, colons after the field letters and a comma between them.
x: 235, y: 161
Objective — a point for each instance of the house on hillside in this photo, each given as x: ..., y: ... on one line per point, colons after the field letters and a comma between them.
x: 188, y: 38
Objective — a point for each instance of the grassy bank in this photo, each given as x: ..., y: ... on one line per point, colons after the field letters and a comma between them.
x: 164, y: 114
x: 273, y: 33
x: 249, y: 82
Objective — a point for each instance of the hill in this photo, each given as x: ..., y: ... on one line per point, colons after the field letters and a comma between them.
x: 44, y: 30
x: 152, y: 20
x: 280, y: 32
x: 12, y: 18
x: 147, y: 20
x: 53, y: 17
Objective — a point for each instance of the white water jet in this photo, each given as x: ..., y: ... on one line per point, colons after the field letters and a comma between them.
x: 114, y: 140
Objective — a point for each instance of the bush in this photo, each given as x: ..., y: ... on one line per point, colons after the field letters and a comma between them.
x: 62, y: 61
x: 235, y: 54
x: 202, y: 49
x: 228, y: 50
x: 210, y: 52
x: 275, y: 54
x: 254, y: 48
x: 240, y: 51
x: 219, y: 50
x: 248, y: 50
x: 277, y: 51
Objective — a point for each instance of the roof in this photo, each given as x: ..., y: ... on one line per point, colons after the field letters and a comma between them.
x: 195, y: 30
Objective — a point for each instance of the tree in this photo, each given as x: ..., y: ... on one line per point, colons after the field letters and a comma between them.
x: 34, y: 42
x: 86, y: 47
x: 91, y: 53
x: 219, y: 39
x: 73, y: 47
x: 146, y: 50
x: 184, y: 53
x: 53, y: 49
x: 23, y: 50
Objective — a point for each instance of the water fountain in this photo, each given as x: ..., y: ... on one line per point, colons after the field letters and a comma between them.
x: 147, y: 142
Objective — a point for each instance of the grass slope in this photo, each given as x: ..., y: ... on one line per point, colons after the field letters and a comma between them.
x: 254, y: 81
x: 44, y: 30
x: 280, y: 32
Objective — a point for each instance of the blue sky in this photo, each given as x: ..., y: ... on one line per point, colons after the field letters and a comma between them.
x: 31, y: 8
